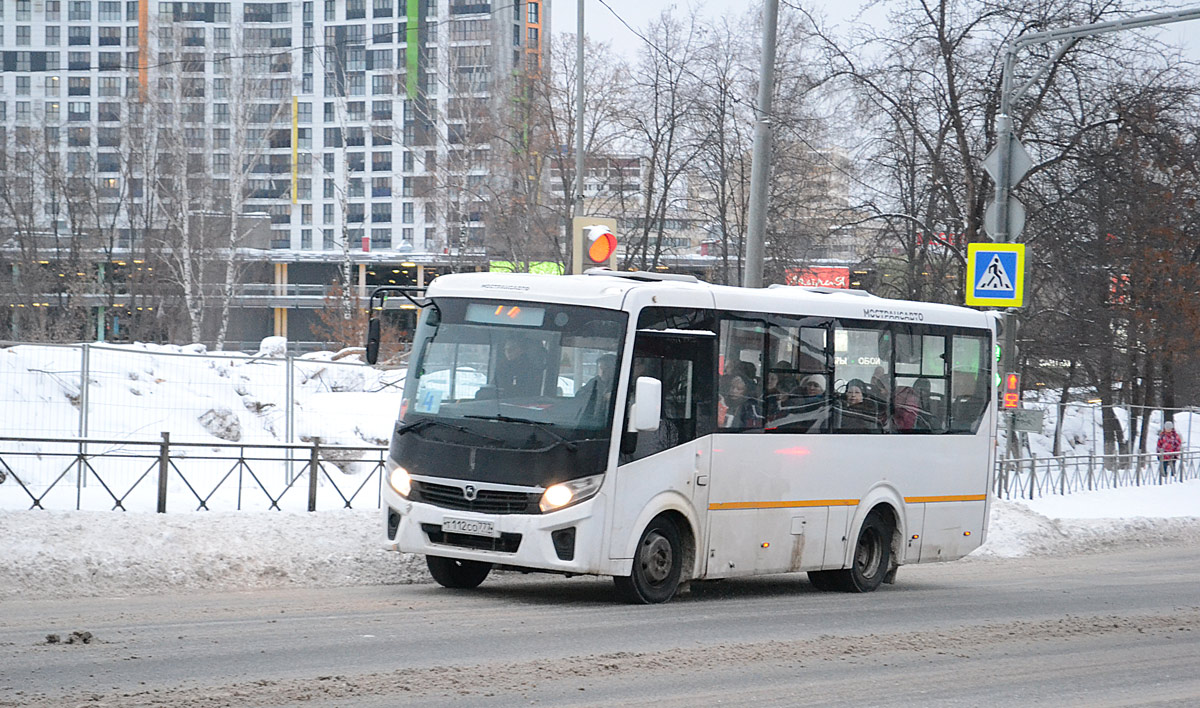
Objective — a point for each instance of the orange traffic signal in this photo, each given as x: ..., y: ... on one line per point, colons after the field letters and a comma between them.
x: 1012, y: 390
x: 601, y: 244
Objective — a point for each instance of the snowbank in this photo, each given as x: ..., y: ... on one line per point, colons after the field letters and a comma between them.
x: 73, y: 554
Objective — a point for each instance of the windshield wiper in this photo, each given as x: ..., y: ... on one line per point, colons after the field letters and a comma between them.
x: 562, y: 439
x: 425, y: 422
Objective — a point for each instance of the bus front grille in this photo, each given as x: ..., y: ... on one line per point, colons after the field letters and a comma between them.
x: 507, y: 543
x: 486, y: 501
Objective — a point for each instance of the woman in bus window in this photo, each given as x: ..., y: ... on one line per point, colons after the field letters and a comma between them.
x: 858, y: 414
x: 743, y: 408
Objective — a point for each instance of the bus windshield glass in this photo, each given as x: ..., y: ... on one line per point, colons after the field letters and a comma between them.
x: 520, y: 362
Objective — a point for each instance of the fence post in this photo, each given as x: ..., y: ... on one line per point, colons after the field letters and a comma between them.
x: 289, y: 410
x: 84, y: 375
x: 314, y: 464
x: 1032, y: 477
x: 1062, y: 476
x: 1091, y: 468
x: 164, y: 463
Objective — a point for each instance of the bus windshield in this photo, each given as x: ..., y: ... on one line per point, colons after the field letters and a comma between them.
x: 519, y: 362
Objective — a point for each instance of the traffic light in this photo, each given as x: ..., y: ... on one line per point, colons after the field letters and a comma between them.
x: 594, y: 243
x: 1012, y: 390
x: 601, y: 244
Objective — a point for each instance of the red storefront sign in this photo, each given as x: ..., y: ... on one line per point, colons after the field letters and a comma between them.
x: 824, y: 277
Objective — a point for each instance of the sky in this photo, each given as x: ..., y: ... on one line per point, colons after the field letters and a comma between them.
x: 147, y: 388
x: 601, y: 22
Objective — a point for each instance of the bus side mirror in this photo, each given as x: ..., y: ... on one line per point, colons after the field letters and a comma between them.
x: 647, y: 407
x: 373, y: 337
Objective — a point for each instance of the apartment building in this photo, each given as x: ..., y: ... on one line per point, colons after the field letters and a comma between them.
x: 356, y: 126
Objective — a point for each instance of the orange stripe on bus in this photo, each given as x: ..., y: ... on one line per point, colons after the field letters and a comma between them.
x: 717, y: 506
x: 951, y: 498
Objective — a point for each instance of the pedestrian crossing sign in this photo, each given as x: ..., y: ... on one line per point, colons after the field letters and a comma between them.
x: 995, y: 274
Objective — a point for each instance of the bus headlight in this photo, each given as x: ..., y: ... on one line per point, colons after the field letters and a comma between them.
x: 398, y: 478
x: 570, y: 492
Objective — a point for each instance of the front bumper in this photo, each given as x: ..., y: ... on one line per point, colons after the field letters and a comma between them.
x: 525, y: 541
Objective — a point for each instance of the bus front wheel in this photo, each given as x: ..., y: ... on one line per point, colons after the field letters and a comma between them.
x: 457, y: 574
x: 657, y: 565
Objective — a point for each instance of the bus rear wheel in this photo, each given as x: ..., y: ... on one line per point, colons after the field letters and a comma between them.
x: 872, y: 557
x: 457, y: 574
x: 657, y: 565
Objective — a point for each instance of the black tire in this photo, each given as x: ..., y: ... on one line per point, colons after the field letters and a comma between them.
x: 872, y: 557
x: 657, y: 565
x: 825, y: 580
x: 457, y: 574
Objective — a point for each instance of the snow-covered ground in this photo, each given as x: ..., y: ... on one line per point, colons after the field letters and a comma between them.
x: 137, y: 391
x: 84, y: 553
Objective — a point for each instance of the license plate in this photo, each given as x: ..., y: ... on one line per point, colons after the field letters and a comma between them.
x: 471, y: 527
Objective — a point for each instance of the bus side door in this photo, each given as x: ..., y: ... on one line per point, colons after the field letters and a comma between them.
x: 673, y: 461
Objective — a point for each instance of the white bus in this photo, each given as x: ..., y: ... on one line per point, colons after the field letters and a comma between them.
x: 660, y: 430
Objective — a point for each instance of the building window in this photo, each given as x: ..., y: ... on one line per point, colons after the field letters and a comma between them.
x: 383, y: 8
x: 327, y: 214
x: 110, y: 11
x: 381, y: 213
x: 52, y: 83
x: 79, y: 36
x: 53, y: 34
x: 80, y: 10
x: 23, y: 35
x: 533, y: 13
x: 381, y: 162
x: 77, y: 86
x: 407, y: 212
x: 109, y: 36
x: 108, y: 112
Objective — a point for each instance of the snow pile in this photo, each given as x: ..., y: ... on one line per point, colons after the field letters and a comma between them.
x: 72, y: 554
x: 1090, y: 521
x: 86, y: 553
x: 1082, y: 429
x: 137, y: 391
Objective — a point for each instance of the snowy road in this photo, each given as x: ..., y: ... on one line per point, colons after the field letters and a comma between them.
x: 1095, y: 629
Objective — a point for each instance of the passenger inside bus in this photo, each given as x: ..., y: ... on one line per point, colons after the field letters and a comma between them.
x: 521, y: 367
x: 741, y: 406
x: 857, y: 414
x: 780, y: 390
x: 597, y: 393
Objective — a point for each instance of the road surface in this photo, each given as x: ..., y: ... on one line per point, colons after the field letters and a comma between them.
x: 1103, y: 629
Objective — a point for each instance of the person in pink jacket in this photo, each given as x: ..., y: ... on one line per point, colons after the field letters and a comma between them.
x: 1169, y: 445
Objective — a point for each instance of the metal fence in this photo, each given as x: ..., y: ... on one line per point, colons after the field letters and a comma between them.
x: 120, y: 475
x: 1034, y: 477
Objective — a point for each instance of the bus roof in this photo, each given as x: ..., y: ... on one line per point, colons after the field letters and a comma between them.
x: 630, y: 291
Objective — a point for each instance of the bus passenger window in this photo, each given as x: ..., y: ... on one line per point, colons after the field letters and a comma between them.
x: 862, y: 359
x: 741, y: 345
x: 969, y: 374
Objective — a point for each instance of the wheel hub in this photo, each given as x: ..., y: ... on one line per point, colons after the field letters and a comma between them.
x: 656, y: 558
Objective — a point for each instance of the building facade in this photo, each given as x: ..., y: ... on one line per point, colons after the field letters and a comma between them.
x: 364, y: 129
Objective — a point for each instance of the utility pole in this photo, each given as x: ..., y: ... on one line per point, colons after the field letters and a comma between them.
x: 578, y: 196
x: 761, y: 159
